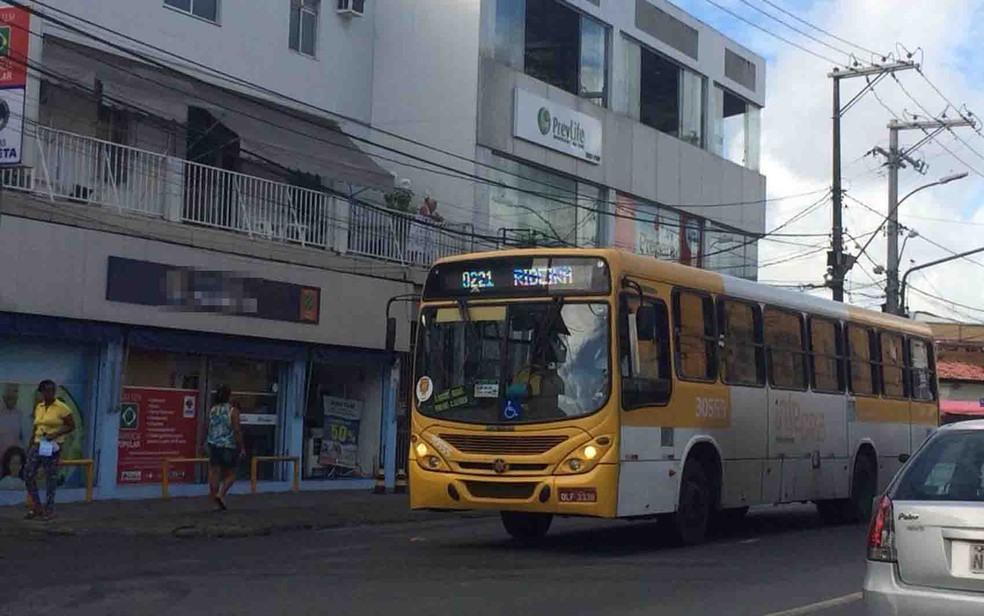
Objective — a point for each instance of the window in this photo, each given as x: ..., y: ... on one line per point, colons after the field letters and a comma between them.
x: 860, y: 341
x: 948, y: 468
x: 826, y: 353
x: 696, y: 344
x: 555, y: 44
x: 728, y: 252
x: 304, y: 25
x: 921, y: 370
x: 736, y: 128
x: 206, y: 9
x: 892, y: 365
x: 784, y: 339
x: 659, y: 93
x: 527, y: 206
x: 645, y: 348
x: 740, y: 324
x: 662, y: 94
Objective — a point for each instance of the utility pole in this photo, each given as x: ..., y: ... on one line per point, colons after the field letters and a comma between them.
x: 896, y: 159
x: 839, y: 264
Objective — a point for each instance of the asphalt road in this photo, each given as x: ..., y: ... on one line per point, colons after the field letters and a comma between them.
x: 778, y: 560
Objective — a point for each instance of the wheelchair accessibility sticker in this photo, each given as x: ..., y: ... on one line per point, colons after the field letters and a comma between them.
x: 511, y: 410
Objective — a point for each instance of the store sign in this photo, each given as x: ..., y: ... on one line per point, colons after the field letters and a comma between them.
x: 185, y: 288
x: 14, y: 42
x: 155, y: 425
x: 556, y: 127
x: 340, y: 444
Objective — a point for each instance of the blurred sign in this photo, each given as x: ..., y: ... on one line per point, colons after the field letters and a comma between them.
x: 340, y: 444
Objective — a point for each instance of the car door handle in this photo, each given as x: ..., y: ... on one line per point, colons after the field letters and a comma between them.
x: 909, y: 517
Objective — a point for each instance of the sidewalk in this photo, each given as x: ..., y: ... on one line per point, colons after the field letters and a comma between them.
x: 248, y: 515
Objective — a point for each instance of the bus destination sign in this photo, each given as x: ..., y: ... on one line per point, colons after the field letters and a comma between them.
x: 511, y: 276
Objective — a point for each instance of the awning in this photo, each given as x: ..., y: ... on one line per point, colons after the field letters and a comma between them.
x: 961, y: 407
x: 293, y: 139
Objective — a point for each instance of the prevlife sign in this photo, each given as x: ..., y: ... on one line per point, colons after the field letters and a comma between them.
x: 554, y: 126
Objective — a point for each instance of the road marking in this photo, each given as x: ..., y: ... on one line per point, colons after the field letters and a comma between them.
x: 822, y: 605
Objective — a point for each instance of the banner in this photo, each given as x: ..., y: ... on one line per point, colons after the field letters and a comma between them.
x: 340, y: 444
x: 156, y: 424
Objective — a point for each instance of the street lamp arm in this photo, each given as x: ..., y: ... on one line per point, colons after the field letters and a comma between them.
x: 905, y: 277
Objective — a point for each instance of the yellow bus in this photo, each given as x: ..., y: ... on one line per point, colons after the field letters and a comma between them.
x: 603, y: 383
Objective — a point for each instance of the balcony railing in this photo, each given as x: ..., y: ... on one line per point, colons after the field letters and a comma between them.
x: 84, y: 170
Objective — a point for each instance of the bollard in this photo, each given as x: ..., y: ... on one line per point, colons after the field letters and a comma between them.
x: 85, y: 463
x: 296, y: 475
x: 380, y: 487
x: 401, y: 482
x: 166, y: 472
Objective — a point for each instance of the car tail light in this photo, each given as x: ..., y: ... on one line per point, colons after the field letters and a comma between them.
x: 881, y: 533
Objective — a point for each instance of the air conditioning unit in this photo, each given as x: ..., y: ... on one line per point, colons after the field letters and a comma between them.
x: 352, y: 8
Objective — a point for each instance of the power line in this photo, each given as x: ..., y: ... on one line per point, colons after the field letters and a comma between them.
x: 795, y: 29
x: 819, y: 29
x: 773, y: 34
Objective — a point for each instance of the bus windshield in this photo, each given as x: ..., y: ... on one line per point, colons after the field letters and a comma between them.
x: 513, y: 363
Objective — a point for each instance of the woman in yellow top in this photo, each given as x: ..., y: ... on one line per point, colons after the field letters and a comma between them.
x: 53, y: 421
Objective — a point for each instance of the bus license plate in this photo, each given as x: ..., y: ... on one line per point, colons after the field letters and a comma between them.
x: 977, y: 558
x: 577, y: 495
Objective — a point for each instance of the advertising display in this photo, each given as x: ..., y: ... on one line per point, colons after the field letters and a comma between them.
x: 340, y: 444
x: 156, y: 424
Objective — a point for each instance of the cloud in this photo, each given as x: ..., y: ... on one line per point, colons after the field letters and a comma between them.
x: 796, y: 139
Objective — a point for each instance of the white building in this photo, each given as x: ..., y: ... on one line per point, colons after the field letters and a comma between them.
x: 193, y: 196
x: 669, y: 110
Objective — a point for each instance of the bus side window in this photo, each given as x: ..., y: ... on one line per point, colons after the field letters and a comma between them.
x: 826, y: 354
x: 921, y: 370
x: 644, y: 331
x: 784, y: 341
x: 892, y: 365
x: 696, y: 343
x: 742, y: 358
x: 860, y: 342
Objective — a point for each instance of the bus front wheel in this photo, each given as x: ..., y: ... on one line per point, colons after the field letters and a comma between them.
x: 689, y: 524
x: 526, y: 526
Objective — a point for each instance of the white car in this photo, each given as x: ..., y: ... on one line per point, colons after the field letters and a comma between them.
x: 926, y: 539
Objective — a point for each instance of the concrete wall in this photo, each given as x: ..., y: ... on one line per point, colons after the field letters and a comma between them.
x: 425, y: 87
x: 636, y: 159
x: 250, y: 41
x: 60, y: 269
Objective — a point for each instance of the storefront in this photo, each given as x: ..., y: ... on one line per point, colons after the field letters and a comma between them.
x: 33, y: 349
x: 343, y: 417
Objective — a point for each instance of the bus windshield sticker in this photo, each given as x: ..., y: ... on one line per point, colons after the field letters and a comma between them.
x: 425, y: 388
x: 487, y: 389
x: 450, y: 399
x: 510, y: 410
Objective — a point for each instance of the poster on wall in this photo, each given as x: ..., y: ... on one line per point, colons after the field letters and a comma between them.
x: 156, y: 424
x: 17, y: 402
x: 340, y: 444
x: 14, y: 44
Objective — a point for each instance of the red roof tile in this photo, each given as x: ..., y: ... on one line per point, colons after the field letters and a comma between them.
x: 960, y: 371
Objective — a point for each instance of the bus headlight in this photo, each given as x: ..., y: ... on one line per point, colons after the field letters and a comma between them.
x: 421, y: 450
x: 585, y: 457
x: 428, y: 458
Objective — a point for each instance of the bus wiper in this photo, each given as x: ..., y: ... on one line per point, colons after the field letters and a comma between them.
x: 463, y: 310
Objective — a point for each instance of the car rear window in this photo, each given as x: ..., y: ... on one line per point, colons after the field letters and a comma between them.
x: 948, y: 468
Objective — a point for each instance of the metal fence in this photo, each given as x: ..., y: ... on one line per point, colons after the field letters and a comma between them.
x: 79, y: 169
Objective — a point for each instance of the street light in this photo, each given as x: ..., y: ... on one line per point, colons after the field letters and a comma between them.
x: 912, y: 233
x: 892, y: 303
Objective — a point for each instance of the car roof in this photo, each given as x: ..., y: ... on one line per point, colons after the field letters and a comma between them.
x: 970, y: 424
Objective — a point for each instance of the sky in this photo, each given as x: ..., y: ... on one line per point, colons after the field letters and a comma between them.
x: 796, y: 140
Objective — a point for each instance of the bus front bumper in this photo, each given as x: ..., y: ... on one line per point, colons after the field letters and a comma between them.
x: 593, y: 493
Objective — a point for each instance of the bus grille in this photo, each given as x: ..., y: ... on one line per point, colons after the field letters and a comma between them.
x: 488, y: 489
x: 503, y: 445
x: 489, y: 466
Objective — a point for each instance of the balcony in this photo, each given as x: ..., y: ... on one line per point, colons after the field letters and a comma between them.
x: 76, y: 169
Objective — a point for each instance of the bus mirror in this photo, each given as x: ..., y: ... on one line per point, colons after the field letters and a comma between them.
x: 646, y: 323
x: 390, y: 334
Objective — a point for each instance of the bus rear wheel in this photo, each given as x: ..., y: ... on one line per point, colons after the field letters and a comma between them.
x: 526, y: 526
x: 688, y: 526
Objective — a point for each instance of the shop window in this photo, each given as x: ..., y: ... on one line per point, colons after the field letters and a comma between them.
x: 784, y: 341
x: 892, y: 365
x: 532, y: 207
x: 742, y: 358
x: 645, y: 352
x: 826, y: 355
x: 555, y: 44
x: 736, y: 126
x: 860, y: 342
x: 691, y: 241
x: 696, y: 344
x: 921, y: 370
x: 255, y: 390
x: 341, y: 422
